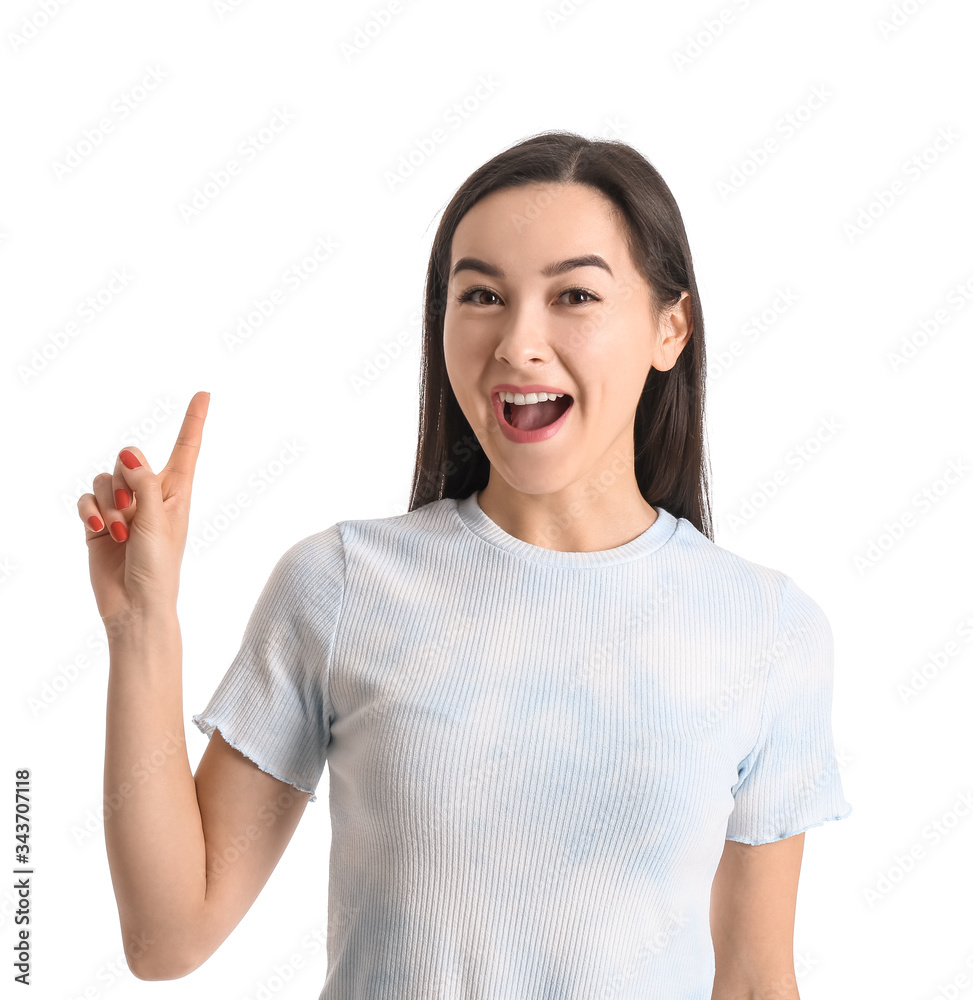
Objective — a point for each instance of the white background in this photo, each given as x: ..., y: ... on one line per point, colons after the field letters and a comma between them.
x: 696, y: 105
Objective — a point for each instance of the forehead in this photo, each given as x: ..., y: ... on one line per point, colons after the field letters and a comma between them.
x: 537, y: 223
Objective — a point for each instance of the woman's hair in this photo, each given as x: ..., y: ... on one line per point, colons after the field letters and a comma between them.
x: 670, y: 451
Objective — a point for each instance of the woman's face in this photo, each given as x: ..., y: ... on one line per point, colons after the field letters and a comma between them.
x: 586, y: 331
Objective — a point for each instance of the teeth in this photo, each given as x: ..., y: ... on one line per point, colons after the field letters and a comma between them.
x: 520, y: 399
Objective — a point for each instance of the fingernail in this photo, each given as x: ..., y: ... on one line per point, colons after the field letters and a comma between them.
x: 122, y: 499
x: 118, y: 531
x: 129, y: 460
x: 95, y: 523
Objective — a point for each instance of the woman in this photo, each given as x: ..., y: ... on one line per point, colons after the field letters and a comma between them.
x: 573, y: 745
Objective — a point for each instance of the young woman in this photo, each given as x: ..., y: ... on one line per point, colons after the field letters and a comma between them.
x: 573, y: 745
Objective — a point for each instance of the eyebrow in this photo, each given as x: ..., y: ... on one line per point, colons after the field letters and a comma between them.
x: 558, y: 267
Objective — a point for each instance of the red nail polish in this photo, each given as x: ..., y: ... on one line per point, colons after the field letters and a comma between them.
x: 118, y: 531
x: 122, y: 499
x: 129, y: 460
x: 95, y: 523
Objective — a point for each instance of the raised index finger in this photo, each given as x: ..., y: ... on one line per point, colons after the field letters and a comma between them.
x: 185, y: 451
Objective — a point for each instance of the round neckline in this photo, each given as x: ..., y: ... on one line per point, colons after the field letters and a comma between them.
x: 655, y: 536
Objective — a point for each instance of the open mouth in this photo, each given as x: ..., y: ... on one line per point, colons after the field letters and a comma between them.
x: 533, y: 416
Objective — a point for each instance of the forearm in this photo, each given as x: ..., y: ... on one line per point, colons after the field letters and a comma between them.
x: 153, y: 831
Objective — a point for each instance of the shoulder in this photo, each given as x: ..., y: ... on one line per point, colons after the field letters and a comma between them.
x: 311, y: 568
x: 409, y: 537
x: 403, y: 534
x: 733, y: 586
x: 715, y: 573
x: 311, y: 551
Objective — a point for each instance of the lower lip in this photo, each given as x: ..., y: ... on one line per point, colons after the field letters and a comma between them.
x: 528, y: 437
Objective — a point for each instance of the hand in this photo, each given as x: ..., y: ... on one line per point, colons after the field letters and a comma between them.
x: 134, y: 557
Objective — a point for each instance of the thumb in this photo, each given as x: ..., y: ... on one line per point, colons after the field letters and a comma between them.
x: 134, y: 474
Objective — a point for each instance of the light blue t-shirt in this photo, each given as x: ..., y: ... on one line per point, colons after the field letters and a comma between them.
x: 534, y: 756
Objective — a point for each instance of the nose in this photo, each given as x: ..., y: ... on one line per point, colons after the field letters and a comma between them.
x: 523, y: 337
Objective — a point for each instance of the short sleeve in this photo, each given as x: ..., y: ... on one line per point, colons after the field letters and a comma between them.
x: 273, y: 704
x: 789, y: 781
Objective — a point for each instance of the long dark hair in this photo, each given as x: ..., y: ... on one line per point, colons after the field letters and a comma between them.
x: 670, y: 451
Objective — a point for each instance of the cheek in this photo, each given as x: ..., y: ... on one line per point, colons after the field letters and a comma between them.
x: 460, y: 353
x: 449, y: 353
x: 460, y: 369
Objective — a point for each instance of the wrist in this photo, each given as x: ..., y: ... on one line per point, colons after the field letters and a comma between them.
x: 140, y: 623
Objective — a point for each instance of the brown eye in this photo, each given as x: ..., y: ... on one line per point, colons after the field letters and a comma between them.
x: 581, y: 291
x: 467, y: 296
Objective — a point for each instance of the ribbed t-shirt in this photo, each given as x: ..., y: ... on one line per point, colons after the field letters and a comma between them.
x: 534, y: 756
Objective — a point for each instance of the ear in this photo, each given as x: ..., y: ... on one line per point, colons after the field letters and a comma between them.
x: 675, y: 329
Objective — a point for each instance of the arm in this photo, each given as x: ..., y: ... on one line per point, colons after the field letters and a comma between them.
x: 181, y: 875
x: 187, y: 855
x: 752, y: 907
